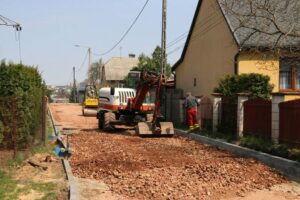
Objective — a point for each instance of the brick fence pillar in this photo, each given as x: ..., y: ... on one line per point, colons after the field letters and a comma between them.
x: 277, y: 98
x: 217, y: 99
x: 242, y: 97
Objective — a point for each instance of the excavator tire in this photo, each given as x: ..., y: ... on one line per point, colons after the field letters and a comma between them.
x: 108, y: 117
x: 101, y: 122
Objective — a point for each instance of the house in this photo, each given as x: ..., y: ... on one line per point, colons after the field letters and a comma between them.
x: 241, y: 36
x: 116, y: 69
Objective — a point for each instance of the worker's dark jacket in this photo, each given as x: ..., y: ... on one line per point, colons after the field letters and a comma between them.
x: 191, y: 102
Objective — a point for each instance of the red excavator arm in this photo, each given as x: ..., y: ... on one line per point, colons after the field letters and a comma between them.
x: 148, y: 81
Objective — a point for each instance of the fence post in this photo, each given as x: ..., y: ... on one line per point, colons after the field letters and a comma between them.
x: 44, y: 118
x: 217, y: 99
x: 277, y: 98
x: 242, y: 97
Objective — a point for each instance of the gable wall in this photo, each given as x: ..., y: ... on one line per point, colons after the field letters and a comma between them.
x: 265, y: 64
x: 210, y: 53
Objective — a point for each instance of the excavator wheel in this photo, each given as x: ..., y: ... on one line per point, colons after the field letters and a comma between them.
x: 108, y: 117
x: 101, y: 122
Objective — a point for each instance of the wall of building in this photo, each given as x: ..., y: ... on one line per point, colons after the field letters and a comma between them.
x: 291, y: 97
x: 260, y: 63
x: 210, y: 53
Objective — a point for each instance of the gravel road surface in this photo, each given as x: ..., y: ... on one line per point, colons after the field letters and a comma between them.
x: 131, y: 167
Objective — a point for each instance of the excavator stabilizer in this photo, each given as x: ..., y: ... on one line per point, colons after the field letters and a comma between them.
x: 165, y: 129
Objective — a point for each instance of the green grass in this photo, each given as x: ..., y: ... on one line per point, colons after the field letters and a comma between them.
x: 268, y: 146
x: 7, y: 186
x: 217, y: 135
x: 17, y: 160
x: 48, y: 148
x: 9, y: 190
x: 252, y: 142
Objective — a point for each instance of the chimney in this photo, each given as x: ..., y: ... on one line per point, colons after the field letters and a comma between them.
x: 131, y: 55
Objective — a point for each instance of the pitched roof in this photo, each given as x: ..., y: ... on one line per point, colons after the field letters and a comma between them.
x: 251, y: 32
x: 117, y: 68
x: 261, y: 23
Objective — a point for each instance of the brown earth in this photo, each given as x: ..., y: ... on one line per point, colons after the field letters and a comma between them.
x: 165, y: 168
x: 54, y: 174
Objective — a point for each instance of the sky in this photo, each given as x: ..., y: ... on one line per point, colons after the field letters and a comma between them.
x: 51, y: 28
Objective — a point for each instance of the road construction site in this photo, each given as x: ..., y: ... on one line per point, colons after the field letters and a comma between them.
x: 126, y: 166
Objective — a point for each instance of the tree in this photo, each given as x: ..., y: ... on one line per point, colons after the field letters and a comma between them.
x: 272, y: 22
x: 152, y: 63
x: 94, y: 73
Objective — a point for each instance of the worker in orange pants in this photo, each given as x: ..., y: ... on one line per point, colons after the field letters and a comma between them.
x: 191, y: 104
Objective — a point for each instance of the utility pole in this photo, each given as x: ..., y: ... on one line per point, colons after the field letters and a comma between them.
x: 74, y: 87
x: 89, y: 68
x: 164, y: 37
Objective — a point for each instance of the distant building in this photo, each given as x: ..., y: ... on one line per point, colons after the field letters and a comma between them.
x: 116, y: 69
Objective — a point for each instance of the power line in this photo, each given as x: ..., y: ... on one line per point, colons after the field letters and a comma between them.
x: 185, y: 34
x: 200, y: 34
x: 84, y: 60
x: 176, y: 40
x: 8, y: 22
x: 125, y: 34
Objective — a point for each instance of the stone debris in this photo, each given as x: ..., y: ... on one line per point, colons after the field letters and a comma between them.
x: 166, y: 168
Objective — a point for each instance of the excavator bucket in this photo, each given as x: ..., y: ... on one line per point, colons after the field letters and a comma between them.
x: 145, y: 128
x: 167, y: 128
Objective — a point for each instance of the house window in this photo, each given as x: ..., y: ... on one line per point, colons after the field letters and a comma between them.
x: 195, y: 82
x: 285, y: 78
x: 289, y: 74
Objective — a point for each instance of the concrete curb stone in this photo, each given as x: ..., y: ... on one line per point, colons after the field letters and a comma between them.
x: 73, y: 194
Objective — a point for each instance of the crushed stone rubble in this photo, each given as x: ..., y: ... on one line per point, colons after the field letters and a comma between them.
x: 166, y: 168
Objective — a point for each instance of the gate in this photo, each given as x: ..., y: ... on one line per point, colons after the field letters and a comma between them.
x: 228, y: 121
x: 258, y: 118
x: 289, y: 122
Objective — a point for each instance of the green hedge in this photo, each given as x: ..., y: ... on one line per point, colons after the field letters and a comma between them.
x: 24, y: 84
x: 256, y: 84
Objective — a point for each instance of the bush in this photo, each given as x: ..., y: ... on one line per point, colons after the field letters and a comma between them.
x: 256, y: 84
x: 267, y: 146
x: 23, y: 85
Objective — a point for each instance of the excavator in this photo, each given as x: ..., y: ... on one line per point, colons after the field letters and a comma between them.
x: 136, y: 112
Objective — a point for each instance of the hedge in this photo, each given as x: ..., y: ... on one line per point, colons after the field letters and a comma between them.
x: 256, y: 84
x: 22, y: 84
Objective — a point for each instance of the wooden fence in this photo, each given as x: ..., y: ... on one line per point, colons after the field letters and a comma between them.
x: 289, y: 123
x: 258, y: 118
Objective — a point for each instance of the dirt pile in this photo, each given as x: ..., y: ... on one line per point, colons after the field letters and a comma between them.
x: 166, y: 168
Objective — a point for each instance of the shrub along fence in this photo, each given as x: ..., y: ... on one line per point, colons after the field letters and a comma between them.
x: 21, y: 92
